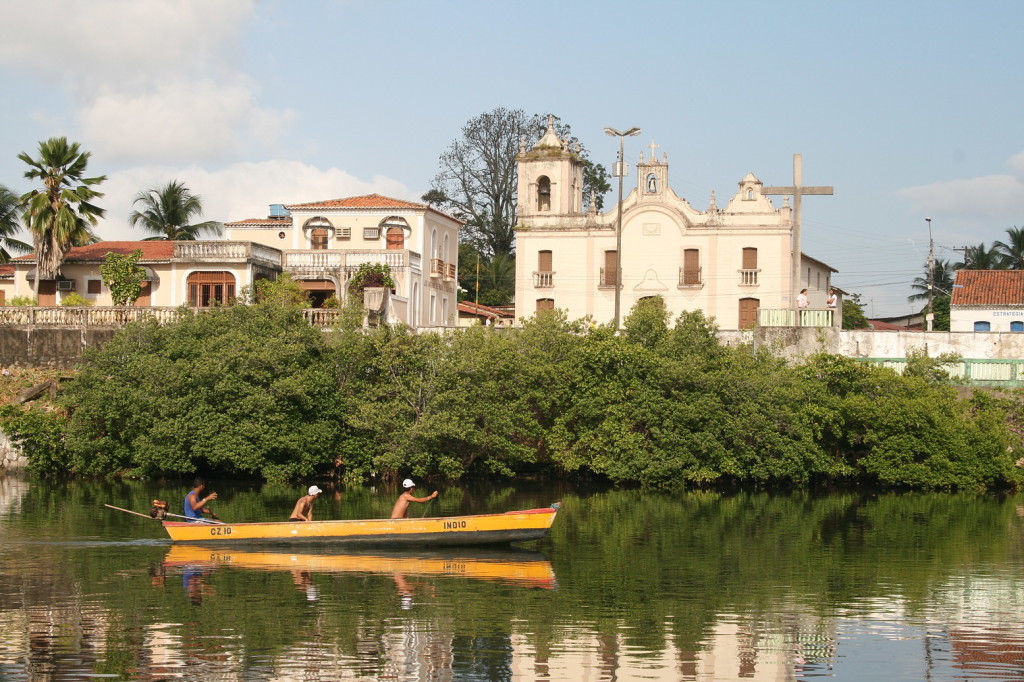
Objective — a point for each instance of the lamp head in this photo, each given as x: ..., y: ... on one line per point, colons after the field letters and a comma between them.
x: 632, y: 131
x: 611, y: 131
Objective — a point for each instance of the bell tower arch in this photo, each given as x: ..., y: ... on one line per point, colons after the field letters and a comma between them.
x: 550, y: 179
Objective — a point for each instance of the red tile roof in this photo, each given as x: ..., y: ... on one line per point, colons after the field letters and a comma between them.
x: 261, y: 222
x: 151, y: 251
x: 988, y: 287
x: 6, y: 271
x: 364, y: 201
x: 880, y: 326
x: 482, y: 310
x: 369, y: 201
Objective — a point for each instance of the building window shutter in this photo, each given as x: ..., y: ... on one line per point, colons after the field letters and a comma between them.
x: 691, y: 266
x: 544, y: 261
x: 749, y: 258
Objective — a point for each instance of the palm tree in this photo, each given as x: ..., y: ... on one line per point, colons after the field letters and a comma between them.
x: 943, y: 281
x: 61, y: 214
x: 9, y: 225
x: 980, y: 258
x: 1012, y: 250
x: 167, y: 212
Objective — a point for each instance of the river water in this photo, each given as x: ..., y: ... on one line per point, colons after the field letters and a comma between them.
x: 629, y: 586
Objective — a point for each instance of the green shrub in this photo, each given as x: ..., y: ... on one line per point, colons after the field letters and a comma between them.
x: 75, y: 299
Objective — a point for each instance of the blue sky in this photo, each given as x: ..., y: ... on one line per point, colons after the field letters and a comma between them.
x: 909, y: 109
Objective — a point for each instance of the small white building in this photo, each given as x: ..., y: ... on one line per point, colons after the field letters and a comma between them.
x: 987, y: 301
x: 733, y: 263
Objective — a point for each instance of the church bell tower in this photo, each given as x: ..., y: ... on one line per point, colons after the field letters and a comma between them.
x: 550, y: 180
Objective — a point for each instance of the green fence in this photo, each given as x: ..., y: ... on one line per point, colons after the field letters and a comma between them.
x: 1004, y: 373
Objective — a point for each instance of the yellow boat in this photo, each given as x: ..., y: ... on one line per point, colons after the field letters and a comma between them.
x: 531, y: 569
x: 478, y: 529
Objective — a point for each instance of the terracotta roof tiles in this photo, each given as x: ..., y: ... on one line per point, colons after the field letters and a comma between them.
x: 151, y: 251
x: 369, y: 201
x: 988, y: 287
x: 261, y: 222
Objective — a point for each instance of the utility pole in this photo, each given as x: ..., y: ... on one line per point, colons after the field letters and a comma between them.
x: 930, y: 317
x: 619, y: 171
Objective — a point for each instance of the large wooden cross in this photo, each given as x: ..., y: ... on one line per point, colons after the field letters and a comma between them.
x: 797, y: 190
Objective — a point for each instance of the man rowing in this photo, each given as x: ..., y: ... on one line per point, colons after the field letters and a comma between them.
x: 401, y: 509
x: 304, y: 507
x: 195, y: 503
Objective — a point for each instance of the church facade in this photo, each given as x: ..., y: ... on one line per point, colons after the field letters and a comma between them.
x: 734, y: 263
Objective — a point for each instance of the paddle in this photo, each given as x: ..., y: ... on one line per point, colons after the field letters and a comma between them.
x: 147, y: 516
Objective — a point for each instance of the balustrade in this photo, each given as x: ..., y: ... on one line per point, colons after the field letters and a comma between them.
x: 748, y: 277
x: 607, y: 280
x: 436, y: 267
x: 543, y: 280
x: 691, y: 278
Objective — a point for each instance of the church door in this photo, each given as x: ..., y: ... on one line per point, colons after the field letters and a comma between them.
x: 748, y: 312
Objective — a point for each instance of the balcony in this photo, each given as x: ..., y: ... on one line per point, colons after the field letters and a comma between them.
x: 308, y: 262
x: 226, y: 252
x: 449, y: 272
x: 606, y: 280
x: 436, y: 267
x: 787, y: 317
x: 748, y: 277
x: 691, y: 279
x: 543, y: 280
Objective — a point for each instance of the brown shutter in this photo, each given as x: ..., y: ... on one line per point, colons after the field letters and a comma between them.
x: 544, y: 261
x: 749, y: 258
x: 610, y: 267
x: 691, y: 266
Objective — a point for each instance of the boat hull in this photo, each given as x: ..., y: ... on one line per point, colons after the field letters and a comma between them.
x: 480, y: 529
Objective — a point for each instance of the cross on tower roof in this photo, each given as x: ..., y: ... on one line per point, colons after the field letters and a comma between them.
x: 653, y: 147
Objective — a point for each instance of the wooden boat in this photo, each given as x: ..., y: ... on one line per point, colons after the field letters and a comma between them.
x: 478, y: 529
x: 518, y: 567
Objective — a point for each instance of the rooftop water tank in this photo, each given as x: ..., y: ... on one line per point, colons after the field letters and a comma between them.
x: 279, y: 211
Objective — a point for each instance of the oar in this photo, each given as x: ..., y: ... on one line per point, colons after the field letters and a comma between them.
x: 147, y: 516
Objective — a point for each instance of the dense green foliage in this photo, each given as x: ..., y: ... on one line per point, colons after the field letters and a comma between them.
x: 123, y: 276
x: 253, y: 389
x: 853, y: 313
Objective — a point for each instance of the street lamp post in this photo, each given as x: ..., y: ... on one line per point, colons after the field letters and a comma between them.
x: 930, y: 317
x: 619, y: 171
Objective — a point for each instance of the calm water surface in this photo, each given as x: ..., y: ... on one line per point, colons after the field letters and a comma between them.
x: 629, y: 586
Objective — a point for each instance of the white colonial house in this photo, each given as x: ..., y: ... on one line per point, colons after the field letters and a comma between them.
x: 323, y: 243
x: 734, y: 263
x: 987, y: 301
x: 320, y: 244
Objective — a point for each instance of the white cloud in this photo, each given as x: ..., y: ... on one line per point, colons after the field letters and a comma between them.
x: 243, y: 190
x: 154, y: 80
x: 980, y: 201
x: 181, y: 121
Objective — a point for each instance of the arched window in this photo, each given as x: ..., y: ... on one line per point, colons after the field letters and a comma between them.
x: 395, y: 230
x: 433, y: 243
x: 414, y: 305
x: 982, y: 327
x: 652, y: 183
x: 750, y: 194
x: 543, y: 193
x: 318, y: 232
x: 545, y: 304
x: 444, y: 251
x: 1016, y: 326
x: 207, y: 289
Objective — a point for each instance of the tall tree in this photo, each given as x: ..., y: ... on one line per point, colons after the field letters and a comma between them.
x: 168, y: 211
x: 9, y: 225
x: 60, y: 214
x: 980, y: 258
x: 943, y: 281
x: 477, y: 180
x: 1012, y: 250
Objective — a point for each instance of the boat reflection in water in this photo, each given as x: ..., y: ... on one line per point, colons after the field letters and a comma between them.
x: 511, y: 566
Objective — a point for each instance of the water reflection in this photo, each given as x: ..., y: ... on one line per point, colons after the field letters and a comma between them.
x: 692, y: 587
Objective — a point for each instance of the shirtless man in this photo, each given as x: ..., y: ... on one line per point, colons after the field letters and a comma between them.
x: 304, y: 507
x: 401, y: 509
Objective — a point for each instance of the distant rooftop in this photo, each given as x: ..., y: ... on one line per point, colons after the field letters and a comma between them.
x: 988, y: 287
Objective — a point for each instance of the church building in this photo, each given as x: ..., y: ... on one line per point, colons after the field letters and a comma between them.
x: 734, y: 263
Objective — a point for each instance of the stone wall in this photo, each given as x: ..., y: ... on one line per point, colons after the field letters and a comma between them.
x: 11, y: 458
x: 57, y: 347
x: 795, y: 342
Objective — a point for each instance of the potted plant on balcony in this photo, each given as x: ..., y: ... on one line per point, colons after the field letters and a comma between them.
x: 375, y: 282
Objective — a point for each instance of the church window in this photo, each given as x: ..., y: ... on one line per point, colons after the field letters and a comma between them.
x: 545, y: 304
x: 652, y: 183
x: 691, y: 266
x: 544, y: 261
x: 609, y: 273
x: 544, y: 193
x: 750, y: 194
x: 748, y: 273
x: 982, y: 326
x: 207, y: 289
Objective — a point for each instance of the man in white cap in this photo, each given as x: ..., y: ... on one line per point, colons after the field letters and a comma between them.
x: 402, y: 505
x: 304, y: 507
